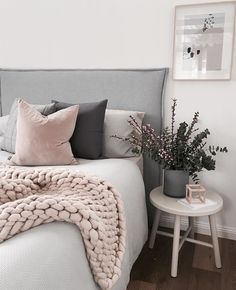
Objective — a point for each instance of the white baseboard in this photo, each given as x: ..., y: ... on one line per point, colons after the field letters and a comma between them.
x: 201, y: 227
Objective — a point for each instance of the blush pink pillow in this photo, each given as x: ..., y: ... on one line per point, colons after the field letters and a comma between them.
x: 44, y: 140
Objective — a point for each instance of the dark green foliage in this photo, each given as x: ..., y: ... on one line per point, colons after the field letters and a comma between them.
x: 182, y: 150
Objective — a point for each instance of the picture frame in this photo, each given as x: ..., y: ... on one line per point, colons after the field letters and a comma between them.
x: 204, y: 41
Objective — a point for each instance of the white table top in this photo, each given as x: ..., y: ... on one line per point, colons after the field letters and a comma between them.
x: 171, y: 205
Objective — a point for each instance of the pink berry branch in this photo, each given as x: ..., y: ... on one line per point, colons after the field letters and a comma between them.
x: 175, y: 148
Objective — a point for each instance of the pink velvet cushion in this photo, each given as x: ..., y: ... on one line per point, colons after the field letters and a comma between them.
x: 44, y: 140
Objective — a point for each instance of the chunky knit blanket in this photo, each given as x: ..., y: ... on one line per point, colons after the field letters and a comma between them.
x: 31, y: 197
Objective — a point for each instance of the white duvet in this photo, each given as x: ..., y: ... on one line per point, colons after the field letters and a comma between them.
x: 52, y: 256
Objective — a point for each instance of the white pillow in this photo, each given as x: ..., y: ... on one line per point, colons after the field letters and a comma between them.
x: 3, y: 124
x: 116, y: 123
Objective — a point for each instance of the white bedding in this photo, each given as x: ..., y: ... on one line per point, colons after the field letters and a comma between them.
x: 138, y: 160
x: 52, y: 256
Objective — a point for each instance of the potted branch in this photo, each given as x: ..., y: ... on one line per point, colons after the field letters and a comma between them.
x: 182, y: 152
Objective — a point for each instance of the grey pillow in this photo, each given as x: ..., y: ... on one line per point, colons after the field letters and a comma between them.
x: 3, y: 124
x: 87, y: 139
x: 9, y: 141
x: 116, y: 123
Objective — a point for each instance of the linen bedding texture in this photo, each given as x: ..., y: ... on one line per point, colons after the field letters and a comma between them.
x: 31, y: 197
x: 9, y: 141
x: 44, y: 140
x: 3, y: 125
x: 116, y: 123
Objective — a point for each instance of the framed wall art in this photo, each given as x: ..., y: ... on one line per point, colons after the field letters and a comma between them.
x: 203, y: 44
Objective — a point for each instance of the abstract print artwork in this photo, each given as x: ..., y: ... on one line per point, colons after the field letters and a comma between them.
x: 204, y: 37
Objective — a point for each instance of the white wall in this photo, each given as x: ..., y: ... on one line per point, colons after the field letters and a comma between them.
x: 124, y: 34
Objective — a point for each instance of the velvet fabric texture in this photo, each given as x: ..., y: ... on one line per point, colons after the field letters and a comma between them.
x: 87, y: 139
x: 44, y: 140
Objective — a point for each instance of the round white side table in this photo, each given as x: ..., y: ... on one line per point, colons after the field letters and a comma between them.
x: 171, y: 205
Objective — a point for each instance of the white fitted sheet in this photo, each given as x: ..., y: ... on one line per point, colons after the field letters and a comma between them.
x: 138, y: 160
x: 52, y: 256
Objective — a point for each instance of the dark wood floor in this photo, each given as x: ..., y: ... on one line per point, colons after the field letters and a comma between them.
x: 196, y: 267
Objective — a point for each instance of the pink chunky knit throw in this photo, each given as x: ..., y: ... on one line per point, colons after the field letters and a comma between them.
x: 31, y: 197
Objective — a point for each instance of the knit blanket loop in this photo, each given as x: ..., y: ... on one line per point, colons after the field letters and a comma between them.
x: 34, y: 196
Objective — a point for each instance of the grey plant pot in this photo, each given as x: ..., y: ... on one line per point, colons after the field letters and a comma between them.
x: 175, y: 182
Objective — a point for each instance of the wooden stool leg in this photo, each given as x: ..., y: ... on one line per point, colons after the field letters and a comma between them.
x: 175, y: 250
x: 154, y: 228
x: 191, y: 223
x: 215, y: 241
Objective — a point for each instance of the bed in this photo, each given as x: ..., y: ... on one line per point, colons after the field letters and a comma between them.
x: 52, y: 256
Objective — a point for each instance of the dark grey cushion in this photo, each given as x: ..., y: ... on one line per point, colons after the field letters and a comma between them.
x: 87, y: 139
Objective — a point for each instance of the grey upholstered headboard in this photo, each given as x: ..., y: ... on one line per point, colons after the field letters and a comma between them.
x: 125, y: 89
